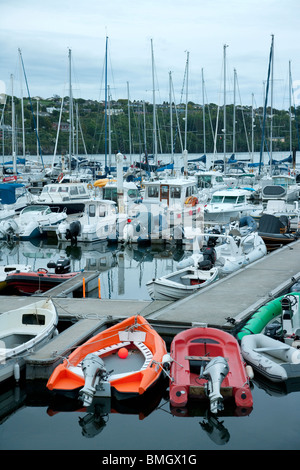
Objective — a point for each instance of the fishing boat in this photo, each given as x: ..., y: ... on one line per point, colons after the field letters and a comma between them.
x: 226, y: 204
x: 9, y: 269
x: 30, y: 222
x: 273, y: 359
x: 98, y: 221
x: 31, y: 282
x: 122, y: 361
x: 207, y: 363
x: 22, y: 330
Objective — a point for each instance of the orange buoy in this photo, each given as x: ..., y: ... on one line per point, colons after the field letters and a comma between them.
x: 123, y: 353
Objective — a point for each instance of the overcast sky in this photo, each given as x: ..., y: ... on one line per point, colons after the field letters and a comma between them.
x: 46, y: 30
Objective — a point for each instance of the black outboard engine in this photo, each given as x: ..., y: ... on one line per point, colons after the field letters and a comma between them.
x: 73, y: 231
x: 63, y: 266
x: 209, y: 256
x: 274, y: 330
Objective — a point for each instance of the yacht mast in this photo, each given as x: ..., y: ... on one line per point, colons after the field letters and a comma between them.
x: 203, y: 110
x: 154, y: 107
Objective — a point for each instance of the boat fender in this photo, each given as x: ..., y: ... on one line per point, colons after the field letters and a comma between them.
x: 249, y: 372
x: 17, y: 372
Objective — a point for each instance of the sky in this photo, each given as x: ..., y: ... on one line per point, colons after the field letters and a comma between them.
x: 185, y: 39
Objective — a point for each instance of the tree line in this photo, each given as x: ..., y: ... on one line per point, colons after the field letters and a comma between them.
x: 131, y: 128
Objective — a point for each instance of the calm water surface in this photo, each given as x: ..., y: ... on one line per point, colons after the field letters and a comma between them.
x: 31, y: 419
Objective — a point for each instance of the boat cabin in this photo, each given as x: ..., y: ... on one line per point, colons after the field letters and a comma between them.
x: 209, y: 179
x: 170, y: 192
x: 63, y: 192
x: 233, y: 197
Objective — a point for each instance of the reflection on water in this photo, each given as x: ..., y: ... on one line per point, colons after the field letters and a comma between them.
x: 123, y: 270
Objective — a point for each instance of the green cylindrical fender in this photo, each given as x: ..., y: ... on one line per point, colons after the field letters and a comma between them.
x: 262, y: 316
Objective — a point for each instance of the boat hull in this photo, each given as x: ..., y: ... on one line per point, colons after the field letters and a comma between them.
x: 180, y: 284
x: 273, y: 359
x: 23, y: 330
x: 191, y: 350
x: 31, y: 282
x: 131, y: 376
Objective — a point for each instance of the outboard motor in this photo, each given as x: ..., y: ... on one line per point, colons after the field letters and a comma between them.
x: 274, y: 330
x: 73, y: 231
x: 92, y: 366
x: 209, y: 257
x: 215, y: 372
x: 63, y: 266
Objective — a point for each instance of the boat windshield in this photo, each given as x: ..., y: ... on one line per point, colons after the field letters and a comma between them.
x: 283, y: 181
x: 36, y: 209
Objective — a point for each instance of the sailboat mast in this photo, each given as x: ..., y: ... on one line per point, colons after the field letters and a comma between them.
x: 171, y: 117
x: 233, y: 124
x: 154, y: 107
x: 13, y: 143
x: 290, y: 105
x: 252, y: 130
x: 22, y: 106
x: 203, y: 111
x: 271, y: 117
x: 70, y: 112
x: 129, y: 124
x: 105, y: 114
x: 265, y: 107
x: 224, y: 130
x: 186, y: 100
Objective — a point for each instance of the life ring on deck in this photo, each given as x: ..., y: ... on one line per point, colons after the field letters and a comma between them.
x: 90, y: 186
x: 191, y: 201
x: 60, y: 177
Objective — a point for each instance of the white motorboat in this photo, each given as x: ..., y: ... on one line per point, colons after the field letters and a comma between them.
x: 22, y: 330
x: 226, y: 204
x: 30, y: 222
x: 68, y: 197
x: 98, y: 221
x: 275, y: 360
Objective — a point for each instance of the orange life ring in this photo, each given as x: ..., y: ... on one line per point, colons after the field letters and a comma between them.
x: 42, y: 270
x: 60, y: 177
x: 191, y: 201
